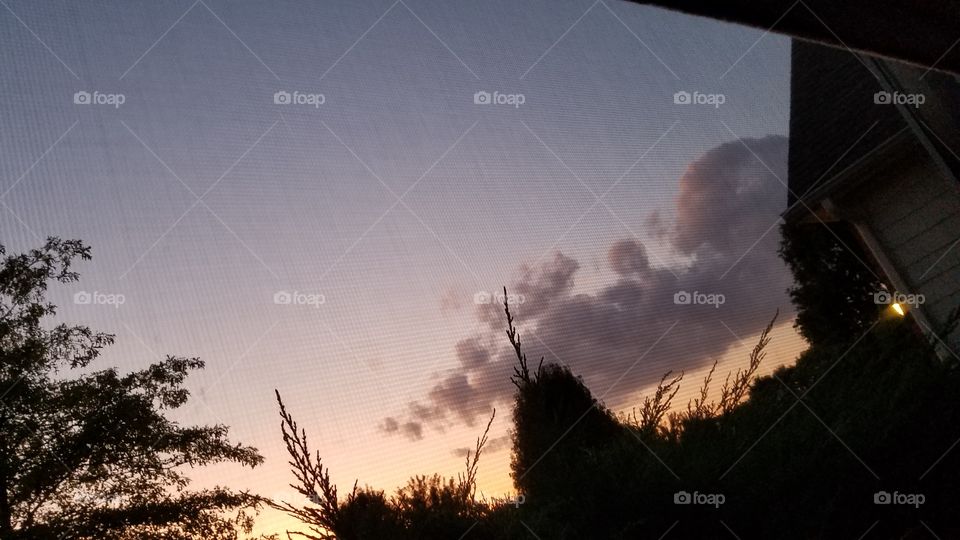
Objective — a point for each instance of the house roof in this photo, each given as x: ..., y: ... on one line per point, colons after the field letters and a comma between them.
x: 838, y: 124
x: 834, y: 122
x: 920, y: 33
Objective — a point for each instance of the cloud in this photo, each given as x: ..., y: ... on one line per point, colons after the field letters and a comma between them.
x: 656, y: 228
x: 628, y: 258
x: 495, y: 444
x: 452, y: 300
x: 727, y: 194
x: 626, y: 334
x: 411, y: 430
x: 390, y: 425
x: 472, y: 354
x: 538, y: 286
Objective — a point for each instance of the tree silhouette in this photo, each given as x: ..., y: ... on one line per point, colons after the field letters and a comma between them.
x: 833, y: 289
x: 91, y: 454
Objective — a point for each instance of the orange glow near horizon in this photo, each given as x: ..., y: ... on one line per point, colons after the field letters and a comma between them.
x: 494, y: 479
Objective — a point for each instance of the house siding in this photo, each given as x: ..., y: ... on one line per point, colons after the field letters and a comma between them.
x: 914, y: 213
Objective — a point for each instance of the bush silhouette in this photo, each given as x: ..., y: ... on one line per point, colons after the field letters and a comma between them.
x: 868, y: 408
x: 427, y: 507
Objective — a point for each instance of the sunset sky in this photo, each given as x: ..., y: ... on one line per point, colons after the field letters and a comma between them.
x: 399, y: 201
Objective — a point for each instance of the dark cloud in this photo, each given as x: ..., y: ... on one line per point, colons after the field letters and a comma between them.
x: 656, y: 227
x: 495, y: 444
x: 452, y: 300
x: 472, y: 354
x: 389, y: 425
x: 410, y: 429
x: 628, y: 333
x: 725, y: 196
x: 628, y: 258
x: 455, y: 394
x: 535, y: 289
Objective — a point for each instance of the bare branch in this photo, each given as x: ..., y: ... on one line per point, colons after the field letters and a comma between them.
x: 654, y: 409
x: 468, y: 481
x: 732, y: 395
x: 521, y: 373
x: 313, y: 482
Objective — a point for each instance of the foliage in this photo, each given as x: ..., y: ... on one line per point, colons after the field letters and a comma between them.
x: 833, y: 286
x: 427, y: 507
x: 798, y: 454
x: 91, y: 454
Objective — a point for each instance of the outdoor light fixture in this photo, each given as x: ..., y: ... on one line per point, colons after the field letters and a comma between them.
x: 897, y: 308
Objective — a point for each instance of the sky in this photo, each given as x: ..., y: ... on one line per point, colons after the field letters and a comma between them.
x: 324, y: 199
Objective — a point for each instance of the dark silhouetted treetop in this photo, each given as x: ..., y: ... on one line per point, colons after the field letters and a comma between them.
x: 91, y: 454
